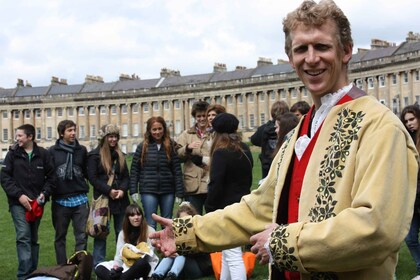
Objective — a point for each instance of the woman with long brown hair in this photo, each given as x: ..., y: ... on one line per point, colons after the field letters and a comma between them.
x: 230, y: 179
x: 156, y: 171
x: 410, y: 116
x: 104, y: 162
x: 284, y: 124
x: 135, y: 230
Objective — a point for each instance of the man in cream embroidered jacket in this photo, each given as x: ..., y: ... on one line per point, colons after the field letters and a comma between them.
x: 338, y: 199
x: 353, y: 231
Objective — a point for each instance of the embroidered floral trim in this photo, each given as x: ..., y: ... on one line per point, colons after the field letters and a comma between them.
x: 182, y: 226
x: 286, y: 143
x: 282, y: 254
x: 344, y: 133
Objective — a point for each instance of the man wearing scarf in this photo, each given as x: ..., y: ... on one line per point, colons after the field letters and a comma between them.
x: 69, y: 200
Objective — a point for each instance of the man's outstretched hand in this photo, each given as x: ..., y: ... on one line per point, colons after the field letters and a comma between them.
x: 164, y: 240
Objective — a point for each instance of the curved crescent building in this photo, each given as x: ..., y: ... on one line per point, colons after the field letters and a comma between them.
x: 386, y: 71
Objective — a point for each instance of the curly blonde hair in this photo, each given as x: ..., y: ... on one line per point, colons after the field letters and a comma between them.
x: 310, y: 13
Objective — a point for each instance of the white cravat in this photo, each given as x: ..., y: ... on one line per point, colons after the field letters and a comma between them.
x: 327, y: 102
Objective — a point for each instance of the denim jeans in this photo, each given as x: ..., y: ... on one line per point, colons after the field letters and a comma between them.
x: 99, y: 245
x: 168, y: 264
x: 197, y: 201
x: 412, y: 240
x: 61, y: 217
x: 233, y: 266
x: 151, y: 202
x: 26, y: 241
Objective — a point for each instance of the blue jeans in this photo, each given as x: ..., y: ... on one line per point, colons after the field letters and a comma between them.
x: 99, y: 245
x: 61, y: 217
x: 151, y: 202
x: 26, y: 241
x: 412, y: 240
x: 174, y: 265
x: 197, y: 201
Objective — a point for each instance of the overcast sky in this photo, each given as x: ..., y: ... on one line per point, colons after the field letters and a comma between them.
x: 70, y: 39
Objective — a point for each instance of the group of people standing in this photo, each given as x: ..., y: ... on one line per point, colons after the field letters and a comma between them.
x: 217, y: 171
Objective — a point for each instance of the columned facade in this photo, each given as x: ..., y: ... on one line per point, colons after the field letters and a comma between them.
x: 394, y: 81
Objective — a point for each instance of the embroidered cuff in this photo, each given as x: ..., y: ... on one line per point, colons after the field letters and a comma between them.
x: 184, y: 235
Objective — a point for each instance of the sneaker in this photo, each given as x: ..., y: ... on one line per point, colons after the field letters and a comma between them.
x: 416, y: 278
x: 171, y: 276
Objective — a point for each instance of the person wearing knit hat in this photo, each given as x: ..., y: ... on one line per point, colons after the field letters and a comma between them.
x: 108, y: 129
x: 225, y: 123
x: 104, y: 162
x: 230, y: 179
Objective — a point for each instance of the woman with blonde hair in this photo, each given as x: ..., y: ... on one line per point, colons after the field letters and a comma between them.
x: 156, y: 171
x: 107, y: 163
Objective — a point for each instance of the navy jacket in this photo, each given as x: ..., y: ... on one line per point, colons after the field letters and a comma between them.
x: 157, y: 175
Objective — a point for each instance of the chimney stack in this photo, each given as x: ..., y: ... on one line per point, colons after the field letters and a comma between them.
x: 20, y: 83
x: 219, y: 68
x: 263, y: 61
x: 90, y: 79
x: 166, y: 73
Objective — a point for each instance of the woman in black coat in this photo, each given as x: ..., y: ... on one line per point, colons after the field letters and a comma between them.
x: 156, y: 171
x: 230, y: 179
x: 103, y: 162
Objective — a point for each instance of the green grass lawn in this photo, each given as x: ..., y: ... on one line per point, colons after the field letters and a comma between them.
x: 8, y: 259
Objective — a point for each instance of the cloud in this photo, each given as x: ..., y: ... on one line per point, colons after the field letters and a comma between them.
x: 70, y: 39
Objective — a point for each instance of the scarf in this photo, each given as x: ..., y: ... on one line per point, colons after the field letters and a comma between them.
x: 69, y: 148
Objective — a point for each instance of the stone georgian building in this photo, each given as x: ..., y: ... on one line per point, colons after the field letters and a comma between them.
x: 386, y: 71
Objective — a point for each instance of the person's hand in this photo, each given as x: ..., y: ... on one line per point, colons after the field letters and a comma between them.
x: 195, y: 145
x: 135, y: 197
x: 258, y: 240
x: 26, y: 202
x: 178, y: 200
x: 164, y: 240
x: 113, y: 194
x: 120, y: 194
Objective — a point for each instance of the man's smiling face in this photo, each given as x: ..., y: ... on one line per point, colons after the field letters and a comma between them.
x: 318, y: 58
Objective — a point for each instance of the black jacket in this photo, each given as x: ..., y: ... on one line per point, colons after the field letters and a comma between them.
x: 99, y: 180
x: 157, y: 175
x: 68, y: 188
x: 230, y: 177
x: 266, y: 138
x: 19, y: 176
